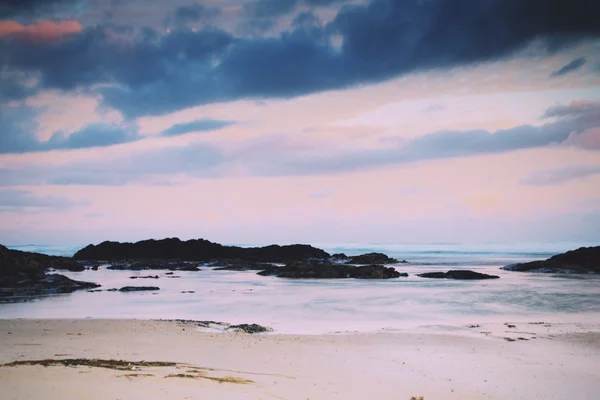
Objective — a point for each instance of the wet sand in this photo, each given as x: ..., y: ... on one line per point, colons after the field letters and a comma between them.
x: 522, y: 361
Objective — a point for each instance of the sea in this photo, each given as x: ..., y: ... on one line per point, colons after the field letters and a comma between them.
x: 304, y: 306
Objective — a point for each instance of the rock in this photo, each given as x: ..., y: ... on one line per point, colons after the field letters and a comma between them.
x: 24, y: 274
x: 142, y: 265
x: 138, y: 288
x: 239, y: 265
x: 144, y: 277
x: 196, y: 250
x: 436, y: 275
x: 45, y: 285
x: 13, y: 262
x: 458, y: 274
x: 339, y: 256
x: 316, y: 270
x: 372, y: 258
x: 583, y: 260
x: 249, y: 328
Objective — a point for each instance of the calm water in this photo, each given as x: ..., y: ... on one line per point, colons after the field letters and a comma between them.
x: 318, y: 306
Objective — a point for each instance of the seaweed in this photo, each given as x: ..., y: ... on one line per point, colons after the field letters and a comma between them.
x: 120, y: 365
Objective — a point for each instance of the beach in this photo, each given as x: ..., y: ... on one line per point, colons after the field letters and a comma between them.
x: 552, y: 360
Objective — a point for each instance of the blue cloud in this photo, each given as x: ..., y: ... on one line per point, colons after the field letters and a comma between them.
x: 273, y: 156
x: 560, y: 175
x: 570, y: 67
x: 193, y: 13
x: 18, y: 126
x: 269, y: 8
x: 201, y: 125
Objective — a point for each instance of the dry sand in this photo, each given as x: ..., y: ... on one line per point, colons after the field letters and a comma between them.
x: 559, y: 361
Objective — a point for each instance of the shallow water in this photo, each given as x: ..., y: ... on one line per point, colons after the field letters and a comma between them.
x: 322, y: 306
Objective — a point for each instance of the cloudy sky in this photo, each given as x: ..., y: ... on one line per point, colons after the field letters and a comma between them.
x: 314, y: 121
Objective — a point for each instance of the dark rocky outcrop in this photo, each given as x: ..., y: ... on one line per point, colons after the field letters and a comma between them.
x: 458, y: 274
x: 142, y: 265
x: 40, y: 284
x: 583, y: 260
x: 24, y: 274
x: 325, y: 270
x: 240, y: 265
x: 196, y: 250
x: 16, y: 261
x: 339, y: 256
x: 372, y: 258
x: 138, y: 288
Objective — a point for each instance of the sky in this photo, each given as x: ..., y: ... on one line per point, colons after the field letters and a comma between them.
x: 300, y: 121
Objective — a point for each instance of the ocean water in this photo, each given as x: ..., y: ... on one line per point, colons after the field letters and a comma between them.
x: 325, y: 306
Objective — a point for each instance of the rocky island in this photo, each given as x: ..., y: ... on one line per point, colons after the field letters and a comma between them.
x: 583, y: 261
x: 195, y: 250
x: 300, y: 261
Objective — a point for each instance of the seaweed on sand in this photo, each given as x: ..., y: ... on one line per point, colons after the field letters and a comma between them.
x: 201, y: 375
x: 120, y: 365
x: 123, y: 365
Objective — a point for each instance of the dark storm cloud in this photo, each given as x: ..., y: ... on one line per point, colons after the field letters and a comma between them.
x: 269, y: 8
x: 570, y: 67
x: 17, y: 8
x: 155, y: 74
x: 320, y: 3
x: 305, y: 18
x: 193, y: 13
x: 560, y: 175
x: 201, y: 125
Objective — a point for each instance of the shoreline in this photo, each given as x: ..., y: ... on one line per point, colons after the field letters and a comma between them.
x: 560, y: 363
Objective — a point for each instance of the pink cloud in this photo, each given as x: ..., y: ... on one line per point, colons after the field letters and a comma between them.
x: 41, y: 30
x: 589, y: 140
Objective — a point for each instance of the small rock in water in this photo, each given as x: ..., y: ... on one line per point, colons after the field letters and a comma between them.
x: 138, y: 288
x: 458, y: 274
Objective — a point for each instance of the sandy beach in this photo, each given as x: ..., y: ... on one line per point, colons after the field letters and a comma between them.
x: 550, y: 361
